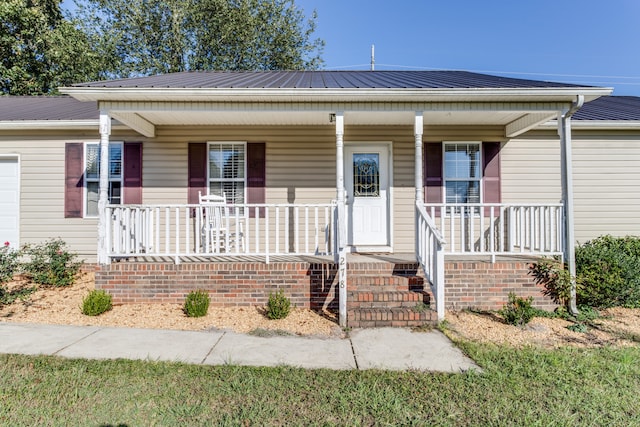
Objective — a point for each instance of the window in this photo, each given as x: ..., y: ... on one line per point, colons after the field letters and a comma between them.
x: 366, y: 175
x: 92, y: 176
x: 462, y: 172
x: 227, y: 171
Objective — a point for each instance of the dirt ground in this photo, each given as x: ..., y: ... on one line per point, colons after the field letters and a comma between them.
x: 615, y: 327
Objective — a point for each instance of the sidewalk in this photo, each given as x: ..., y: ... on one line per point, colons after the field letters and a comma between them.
x: 384, y: 348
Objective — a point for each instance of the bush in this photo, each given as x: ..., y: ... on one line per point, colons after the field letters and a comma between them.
x: 278, y: 306
x: 9, y: 263
x: 555, y: 280
x: 518, y: 311
x: 50, y: 263
x: 608, y: 272
x: 196, y: 304
x: 96, y: 302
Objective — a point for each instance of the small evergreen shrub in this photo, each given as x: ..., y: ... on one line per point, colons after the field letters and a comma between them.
x: 278, y: 306
x: 518, y: 311
x: 50, y: 263
x: 608, y: 270
x: 196, y: 304
x: 9, y: 262
x: 96, y: 302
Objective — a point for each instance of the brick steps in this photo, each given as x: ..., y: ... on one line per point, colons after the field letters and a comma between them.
x: 393, y: 299
x: 381, y: 282
x: 389, y: 317
x: 387, y: 295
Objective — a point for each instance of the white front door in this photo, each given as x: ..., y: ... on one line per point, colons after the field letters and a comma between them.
x: 367, y: 184
x: 9, y: 201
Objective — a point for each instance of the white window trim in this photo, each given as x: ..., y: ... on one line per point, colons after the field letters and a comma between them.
x: 444, y: 172
x: 85, y: 198
x: 243, y: 180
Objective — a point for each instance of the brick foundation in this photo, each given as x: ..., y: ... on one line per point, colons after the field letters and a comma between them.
x: 229, y: 284
x: 469, y: 284
x: 486, y: 286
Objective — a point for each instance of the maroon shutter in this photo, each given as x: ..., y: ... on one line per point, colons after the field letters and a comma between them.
x: 132, y: 173
x: 256, y: 175
x: 432, y: 173
x: 73, y: 179
x: 491, y: 174
x: 197, y: 176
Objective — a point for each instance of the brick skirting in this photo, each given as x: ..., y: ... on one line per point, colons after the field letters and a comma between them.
x: 486, y: 286
x: 469, y: 284
x: 229, y: 284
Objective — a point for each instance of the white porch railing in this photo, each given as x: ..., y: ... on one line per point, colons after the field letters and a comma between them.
x: 430, y: 255
x: 500, y: 229
x: 181, y: 230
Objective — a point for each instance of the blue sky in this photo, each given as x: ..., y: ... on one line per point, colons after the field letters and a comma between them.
x: 591, y: 42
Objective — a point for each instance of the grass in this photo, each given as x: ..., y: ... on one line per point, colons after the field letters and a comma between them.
x: 518, y: 387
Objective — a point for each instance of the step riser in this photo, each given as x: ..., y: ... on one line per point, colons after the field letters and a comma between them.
x: 398, y: 317
x: 386, y: 299
x: 384, y: 281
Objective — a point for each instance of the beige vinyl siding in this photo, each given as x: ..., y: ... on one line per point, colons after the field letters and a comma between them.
x: 606, y: 175
x: 606, y: 186
x: 530, y: 170
x: 42, y: 195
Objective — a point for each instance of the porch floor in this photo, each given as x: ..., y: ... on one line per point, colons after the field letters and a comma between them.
x: 394, y: 258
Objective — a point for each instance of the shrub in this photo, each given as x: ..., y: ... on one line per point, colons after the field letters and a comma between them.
x: 96, y: 302
x: 8, y: 263
x: 518, y: 311
x: 608, y: 271
x: 278, y: 306
x: 196, y: 304
x: 555, y: 280
x: 50, y: 263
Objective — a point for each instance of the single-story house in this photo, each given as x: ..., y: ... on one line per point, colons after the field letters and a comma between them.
x: 368, y: 191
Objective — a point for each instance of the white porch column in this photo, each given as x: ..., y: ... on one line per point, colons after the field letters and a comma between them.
x: 564, y: 129
x: 105, y: 132
x: 340, y: 190
x: 341, y: 256
x: 418, y: 130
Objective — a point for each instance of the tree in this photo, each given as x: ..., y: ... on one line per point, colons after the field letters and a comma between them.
x: 159, y: 36
x: 40, y: 50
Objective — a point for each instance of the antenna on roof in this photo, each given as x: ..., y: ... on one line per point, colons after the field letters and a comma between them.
x: 373, y: 57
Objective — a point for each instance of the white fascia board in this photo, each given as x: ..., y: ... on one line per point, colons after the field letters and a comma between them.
x: 596, y: 124
x: 333, y: 95
x: 54, y: 125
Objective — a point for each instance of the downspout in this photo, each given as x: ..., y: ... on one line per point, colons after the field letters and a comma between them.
x: 564, y: 128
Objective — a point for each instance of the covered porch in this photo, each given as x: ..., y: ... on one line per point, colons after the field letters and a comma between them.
x: 368, y: 211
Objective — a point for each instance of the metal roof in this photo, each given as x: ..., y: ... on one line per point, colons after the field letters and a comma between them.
x: 27, y: 108
x: 326, y: 80
x: 610, y: 108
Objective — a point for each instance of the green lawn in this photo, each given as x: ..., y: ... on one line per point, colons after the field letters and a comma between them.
x: 518, y: 387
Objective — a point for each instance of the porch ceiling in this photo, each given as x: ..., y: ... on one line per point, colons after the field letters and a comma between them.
x: 515, y: 117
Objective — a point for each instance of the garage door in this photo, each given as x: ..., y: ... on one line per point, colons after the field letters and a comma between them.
x: 9, y: 201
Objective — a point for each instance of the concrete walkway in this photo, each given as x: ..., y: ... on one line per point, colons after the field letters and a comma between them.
x: 384, y: 348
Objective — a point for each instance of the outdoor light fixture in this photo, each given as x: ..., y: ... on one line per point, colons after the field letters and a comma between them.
x: 332, y: 117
